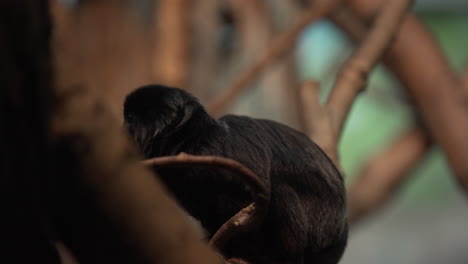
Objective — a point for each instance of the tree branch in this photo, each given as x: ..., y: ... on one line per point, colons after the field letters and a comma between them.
x: 418, y: 62
x: 318, y: 122
x: 363, y: 197
x: 326, y: 122
x: 279, y: 46
x: 207, y: 61
x: 244, y: 220
x: 123, y: 204
x: 385, y: 173
x: 353, y: 76
x: 171, y: 42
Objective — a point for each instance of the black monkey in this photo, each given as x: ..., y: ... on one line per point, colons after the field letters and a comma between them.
x: 306, y: 220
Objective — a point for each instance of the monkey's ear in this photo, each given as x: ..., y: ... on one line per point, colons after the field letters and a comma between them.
x: 190, y: 112
x: 183, y: 116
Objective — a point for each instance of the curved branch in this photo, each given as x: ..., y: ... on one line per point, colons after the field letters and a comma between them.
x: 246, y: 218
x: 382, y: 176
x: 353, y: 76
x: 187, y: 160
x: 325, y: 123
x: 279, y: 46
x: 418, y: 62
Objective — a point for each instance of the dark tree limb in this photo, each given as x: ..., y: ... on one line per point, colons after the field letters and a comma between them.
x: 27, y: 184
x: 121, y: 212
x: 244, y: 220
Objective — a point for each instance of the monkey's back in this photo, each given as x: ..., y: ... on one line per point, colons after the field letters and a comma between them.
x: 307, y: 209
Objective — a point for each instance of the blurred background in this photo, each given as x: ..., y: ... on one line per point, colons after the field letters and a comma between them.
x: 426, y: 220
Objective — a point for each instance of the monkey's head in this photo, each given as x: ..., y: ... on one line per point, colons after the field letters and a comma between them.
x: 157, y: 113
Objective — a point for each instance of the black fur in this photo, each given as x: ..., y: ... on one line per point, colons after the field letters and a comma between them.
x: 306, y: 220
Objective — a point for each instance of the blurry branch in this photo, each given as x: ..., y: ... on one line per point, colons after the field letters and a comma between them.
x: 353, y: 77
x: 207, y: 62
x: 465, y: 79
x: 281, y: 82
x: 171, y: 59
x: 237, y: 261
x: 418, y: 62
x: 250, y: 31
x: 318, y: 120
x: 385, y: 172
x: 66, y: 257
x: 255, y: 26
x: 108, y: 39
x: 253, y: 31
x: 348, y: 22
x: 248, y: 217
x: 326, y: 122
x: 278, y: 47
x: 59, y: 14
x: 127, y: 193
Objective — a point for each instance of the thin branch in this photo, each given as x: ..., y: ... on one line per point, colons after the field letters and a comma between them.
x: 186, y: 160
x: 363, y: 197
x: 206, y: 62
x: 237, y: 261
x: 318, y: 122
x: 171, y: 42
x: 279, y: 46
x: 243, y: 221
x: 418, y: 62
x: 247, y: 218
x: 353, y: 76
x: 326, y: 122
x: 386, y: 172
